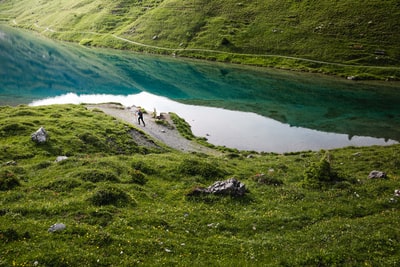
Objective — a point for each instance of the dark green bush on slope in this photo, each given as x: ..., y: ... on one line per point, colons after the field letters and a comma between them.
x: 110, y: 196
x: 200, y: 167
x: 8, y: 180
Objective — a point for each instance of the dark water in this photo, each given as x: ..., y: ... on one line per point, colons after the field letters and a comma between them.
x: 269, y: 110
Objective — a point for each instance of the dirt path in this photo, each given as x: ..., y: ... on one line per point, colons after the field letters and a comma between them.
x: 162, y: 133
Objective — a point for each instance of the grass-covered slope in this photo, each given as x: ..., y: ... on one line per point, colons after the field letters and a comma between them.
x: 126, y: 205
x: 364, y: 34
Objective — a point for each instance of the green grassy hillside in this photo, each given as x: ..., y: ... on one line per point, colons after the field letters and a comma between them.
x: 357, y: 38
x: 126, y: 204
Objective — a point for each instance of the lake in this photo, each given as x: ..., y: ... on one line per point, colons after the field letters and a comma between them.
x: 247, y: 108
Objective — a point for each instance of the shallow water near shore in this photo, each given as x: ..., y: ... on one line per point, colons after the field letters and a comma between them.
x: 236, y: 106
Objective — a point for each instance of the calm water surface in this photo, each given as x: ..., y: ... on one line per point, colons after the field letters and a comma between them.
x: 239, y: 107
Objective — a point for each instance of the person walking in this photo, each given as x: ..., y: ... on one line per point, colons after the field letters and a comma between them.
x: 140, y: 117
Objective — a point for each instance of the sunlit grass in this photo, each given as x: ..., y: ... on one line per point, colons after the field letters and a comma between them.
x: 132, y: 208
x: 262, y: 33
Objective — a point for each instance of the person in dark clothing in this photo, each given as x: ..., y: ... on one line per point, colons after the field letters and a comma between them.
x: 140, y: 117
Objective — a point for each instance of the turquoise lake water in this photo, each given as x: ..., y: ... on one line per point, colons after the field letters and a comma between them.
x: 236, y: 106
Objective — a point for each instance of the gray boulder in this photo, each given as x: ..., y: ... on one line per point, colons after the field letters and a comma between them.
x: 56, y: 227
x: 40, y: 136
x: 61, y: 158
x: 230, y: 187
x: 377, y: 175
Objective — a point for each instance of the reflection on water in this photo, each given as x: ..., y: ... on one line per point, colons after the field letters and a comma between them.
x: 35, y: 68
x: 235, y: 129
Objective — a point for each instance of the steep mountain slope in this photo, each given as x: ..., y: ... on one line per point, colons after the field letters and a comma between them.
x: 349, y: 32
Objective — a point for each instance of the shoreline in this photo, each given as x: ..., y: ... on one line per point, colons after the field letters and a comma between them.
x: 160, y: 132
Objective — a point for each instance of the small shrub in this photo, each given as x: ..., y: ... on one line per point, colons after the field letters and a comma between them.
x: 143, y: 167
x: 320, y: 173
x: 63, y: 185
x: 110, y: 196
x: 11, y: 129
x: 43, y: 165
x: 8, y: 180
x: 98, y: 217
x: 89, y: 138
x: 137, y: 177
x: 201, y: 168
x: 10, y: 235
x: 102, y: 239
x: 261, y: 178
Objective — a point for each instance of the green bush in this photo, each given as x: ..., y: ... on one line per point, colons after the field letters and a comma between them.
x: 8, y: 180
x: 43, y: 165
x: 11, y: 234
x: 137, y: 177
x: 98, y: 217
x: 143, y: 167
x: 12, y: 129
x: 110, y: 196
x: 197, y: 167
x: 261, y: 178
x: 63, y: 185
x: 320, y: 173
x: 89, y: 138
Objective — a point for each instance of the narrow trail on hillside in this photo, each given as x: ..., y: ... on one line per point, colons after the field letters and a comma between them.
x: 251, y: 55
x: 48, y: 28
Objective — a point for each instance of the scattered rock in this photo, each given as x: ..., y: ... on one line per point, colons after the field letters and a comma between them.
x: 56, y: 227
x: 230, y: 187
x: 377, y: 175
x: 40, y: 136
x: 352, y: 78
x: 380, y: 52
x: 397, y: 193
x: 61, y: 158
x: 10, y: 163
